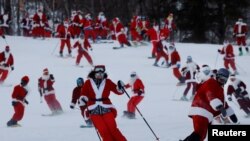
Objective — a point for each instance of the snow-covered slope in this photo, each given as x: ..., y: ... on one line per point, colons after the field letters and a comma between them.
x: 167, y: 118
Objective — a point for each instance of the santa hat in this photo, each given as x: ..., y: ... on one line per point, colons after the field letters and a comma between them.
x: 25, y: 79
x: 45, y: 71
x: 7, y: 48
x: 99, y: 68
x: 116, y: 20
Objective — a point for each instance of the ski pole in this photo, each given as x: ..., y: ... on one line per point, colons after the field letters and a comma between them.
x: 215, y: 64
x: 142, y: 116
x: 55, y: 48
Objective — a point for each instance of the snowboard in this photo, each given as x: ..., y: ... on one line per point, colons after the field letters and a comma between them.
x: 86, y: 126
x: 118, y: 47
x: 65, y: 57
x: 13, y: 126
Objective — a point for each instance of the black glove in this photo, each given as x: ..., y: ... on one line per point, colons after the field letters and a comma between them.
x: 238, y: 91
x: 12, y: 68
x: 120, y: 85
x: 71, y: 107
x: 219, y: 50
x: 5, y: 65
x: 229, y: 98
x: 3, y: 36
x: 222, y: 110
x: 140, y: 92
x: 26, y: 102
x: 51, y: 77
x: 14, y: 103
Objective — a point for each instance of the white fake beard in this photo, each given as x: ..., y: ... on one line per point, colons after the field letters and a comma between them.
x: 6, y: 54
x: 45, y: 77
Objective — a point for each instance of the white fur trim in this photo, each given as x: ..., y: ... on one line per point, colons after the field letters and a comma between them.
x: 82, y: 103
x: 215, y: 103
x: 201, y: 112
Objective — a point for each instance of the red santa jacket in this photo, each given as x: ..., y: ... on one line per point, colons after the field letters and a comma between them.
x: 39, y: 20
x: 19, y: 93
x: 207, y: 98
x: 82, y: 46
x: 64, y: 32
x: 164, y: 33
x: 234, y: 85
x: 169, y: 24
x: 76, y: 20
x: 240, y: 29
x: 87, y: 24
x: 76, y: 95
x: 6, y: 60
x: 144, y: 25
x: 153, y: 35
x: 95, y: 96
x: 136, y: 86
x: 174, y: 59
x: 46, y: 85
x: 119, y: 29
x: 228, y: 51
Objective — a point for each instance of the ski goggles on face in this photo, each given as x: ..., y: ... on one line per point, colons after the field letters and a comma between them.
x: 132, y: 75
x: 100, y: 69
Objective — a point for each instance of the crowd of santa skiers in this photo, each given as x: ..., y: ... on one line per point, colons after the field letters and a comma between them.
x: 92, y: 95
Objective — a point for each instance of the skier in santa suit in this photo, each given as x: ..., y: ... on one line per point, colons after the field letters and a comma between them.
x: 237, y: 88
x: 138, y: 92
x: 119, y: 31
x: 39, y: 19
x: 19, y: 95
x: 153, y: 34
x: 46, y: 89
x: 88, y: 23
x: 135, y: 29
x: 101, y: 26
x: 240, y: 31
x: 175, y: 63
x: 76, y: 23
x: 25, y: 25
x: 144, y: 25
x: 229, y: 57
x: 83, y: 48
x: 208, y: 103
x: 64, y: 32
x: 95, y: 94
x: 6, y: 64
x: 76, y: 100
x: 189, y: 71
x: 170, y: 25
x: 5, y: 23
x: 160, y: 47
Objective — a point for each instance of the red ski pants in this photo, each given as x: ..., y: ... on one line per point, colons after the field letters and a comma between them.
x: 122, y: 39
x: 3, y: 74
x: 154, y: 49
x: 67, y: 43
x: 177, y: 73
x: 133, y: 102
x: 135, y: 35
x: 19, y: 111
x: 241, y: 41
x: 161, y: 54
x: 106, y: 126
x: 86, y: 55
x: 200, y: 126
x: 245, y: 105
x: 230, y: 62
x: 52, y: 102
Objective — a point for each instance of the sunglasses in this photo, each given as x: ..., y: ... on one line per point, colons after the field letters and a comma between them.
x: 132, y: 75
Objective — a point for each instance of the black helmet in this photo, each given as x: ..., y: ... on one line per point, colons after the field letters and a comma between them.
x: 222, y: 75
